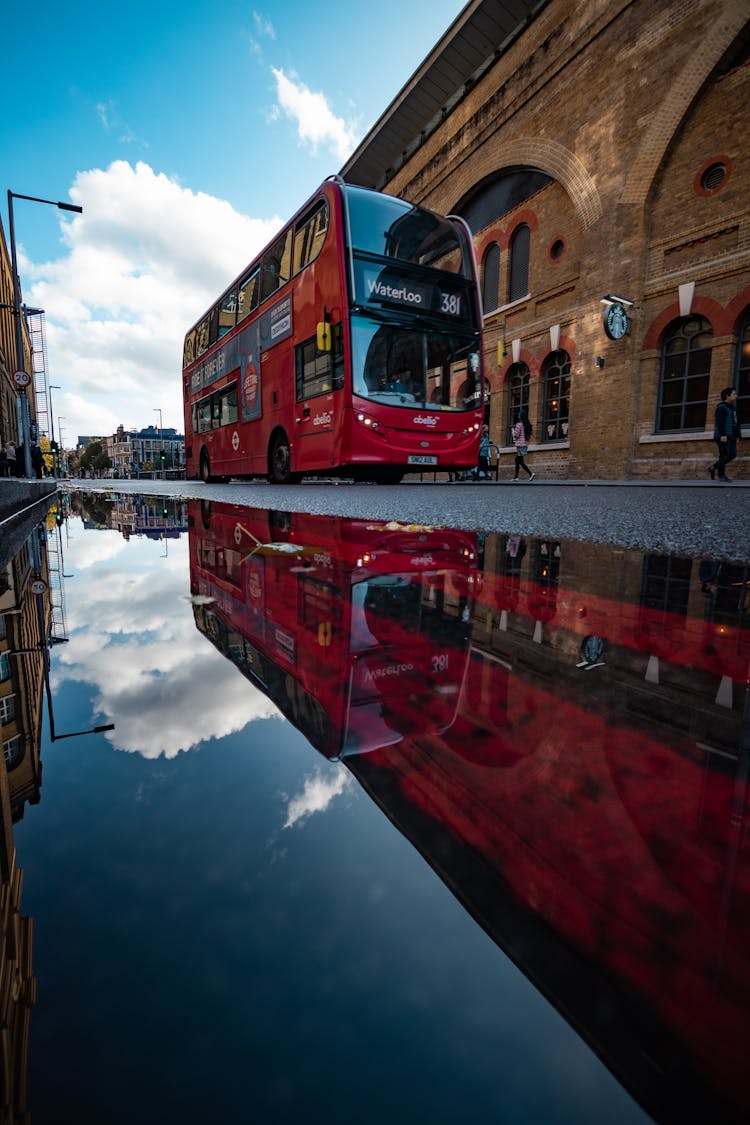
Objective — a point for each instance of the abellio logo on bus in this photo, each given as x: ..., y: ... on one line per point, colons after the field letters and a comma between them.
x: 424, y: 420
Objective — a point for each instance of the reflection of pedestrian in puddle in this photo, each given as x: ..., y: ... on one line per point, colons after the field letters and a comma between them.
x: 515, y: 550
x: 592, y: 653
x: 709, y: 572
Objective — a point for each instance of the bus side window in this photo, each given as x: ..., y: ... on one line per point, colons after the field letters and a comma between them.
x: 213, y: 325
x: 188, y: 354
x: 227, y: 312
x: 248, y: 295
x: 204, y: 415
x: 276, y: 267
x: 202, y: 337
x: 309, y: 236
x: 228, y: 405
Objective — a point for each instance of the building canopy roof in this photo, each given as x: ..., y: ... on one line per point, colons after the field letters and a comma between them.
x: 474, y: 41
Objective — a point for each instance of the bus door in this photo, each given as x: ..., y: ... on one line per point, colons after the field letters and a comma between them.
x: 319, y: 370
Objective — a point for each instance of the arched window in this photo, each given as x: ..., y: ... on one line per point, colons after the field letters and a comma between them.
x: 556, y: 373
x: 518, y: 281
x: 490, y: 278
x: 685, y: 373
x: 742, y: 370
x: 518, y: 396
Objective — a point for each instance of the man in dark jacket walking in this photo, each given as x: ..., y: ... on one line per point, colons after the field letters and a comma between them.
x: 726, y: 432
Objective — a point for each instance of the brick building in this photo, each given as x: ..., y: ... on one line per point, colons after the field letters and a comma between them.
x: 131, y: 451
x: 10, y: 422
x: 597, y: 151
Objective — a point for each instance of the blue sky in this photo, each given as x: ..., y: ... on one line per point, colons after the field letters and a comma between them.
x: 189, y: 133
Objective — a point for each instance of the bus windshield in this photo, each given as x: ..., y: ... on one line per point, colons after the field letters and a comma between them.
x: 415, y: 366
x: 387, y: 227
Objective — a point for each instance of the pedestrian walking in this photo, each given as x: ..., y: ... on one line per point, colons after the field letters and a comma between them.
x: 483, y: 465
x: 521, y: 433
x: 727, y: 431
x: 11, y: 455
x: 37, y: 460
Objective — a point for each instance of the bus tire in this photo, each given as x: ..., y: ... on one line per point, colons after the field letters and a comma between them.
x: 279, y: 460
x: 205, y: 467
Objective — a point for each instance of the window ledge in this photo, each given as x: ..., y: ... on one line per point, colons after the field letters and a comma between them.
x: 539, y: 446
x: 694, y: 435
x: 505, y: 308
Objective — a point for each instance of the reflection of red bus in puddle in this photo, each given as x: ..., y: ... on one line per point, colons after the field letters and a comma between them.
x: 594, y: 829
x: 357, y: 630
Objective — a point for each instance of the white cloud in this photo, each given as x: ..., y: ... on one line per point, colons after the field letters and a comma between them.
x: 317, y: 794
x: 143, y: 261
x: 315, y: 120
x: 133, y: 638
x: 263, y: 25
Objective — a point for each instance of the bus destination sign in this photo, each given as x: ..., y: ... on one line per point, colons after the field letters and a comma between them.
x: 404, y: 290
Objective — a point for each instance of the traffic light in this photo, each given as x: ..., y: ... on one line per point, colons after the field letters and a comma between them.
x: 165, y: 511
x: 162, y: 455
x: 58, y: 516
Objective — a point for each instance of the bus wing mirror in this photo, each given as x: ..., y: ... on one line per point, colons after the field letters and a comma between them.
x: 324, y: 336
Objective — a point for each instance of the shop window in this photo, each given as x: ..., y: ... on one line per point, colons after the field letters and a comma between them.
x: 518, y: 396
x: 684, y: 376
x: 556, y: 374
x: 518, y: 279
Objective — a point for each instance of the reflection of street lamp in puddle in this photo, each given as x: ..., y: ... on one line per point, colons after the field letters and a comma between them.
x: 39, y: 587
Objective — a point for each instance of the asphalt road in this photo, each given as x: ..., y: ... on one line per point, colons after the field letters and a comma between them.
x: 694, y: 518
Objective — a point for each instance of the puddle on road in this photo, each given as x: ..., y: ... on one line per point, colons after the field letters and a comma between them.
x: 556, y: 732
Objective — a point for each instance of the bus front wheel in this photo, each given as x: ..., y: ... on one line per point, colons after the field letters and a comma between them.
x: 279, y: 461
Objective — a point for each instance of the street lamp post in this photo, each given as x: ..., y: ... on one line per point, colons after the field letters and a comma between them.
x: 60, y: 418
x: 161, y: 440
x: 25, y: 427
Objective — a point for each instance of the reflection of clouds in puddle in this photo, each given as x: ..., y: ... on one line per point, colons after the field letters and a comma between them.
x: 133, y: 637
x: 317, y: 794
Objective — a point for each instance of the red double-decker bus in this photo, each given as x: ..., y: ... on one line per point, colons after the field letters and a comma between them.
x: 350, y: 347
x: 359, y: 632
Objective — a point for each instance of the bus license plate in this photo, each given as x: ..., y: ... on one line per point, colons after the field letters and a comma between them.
x: 421, y: 459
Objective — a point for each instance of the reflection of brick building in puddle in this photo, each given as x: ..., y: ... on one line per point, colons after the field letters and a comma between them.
x: 24, y: 621
x: 155, y: 517
x: 588, y: 805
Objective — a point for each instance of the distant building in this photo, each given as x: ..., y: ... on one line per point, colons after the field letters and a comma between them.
x: 130, y: 451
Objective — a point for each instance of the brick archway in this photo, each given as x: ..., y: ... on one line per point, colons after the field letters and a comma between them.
x: 675, y: 102
x: 553, y: 159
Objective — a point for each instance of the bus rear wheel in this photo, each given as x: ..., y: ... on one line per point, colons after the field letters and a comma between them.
x: 279, y: 461
x: 205, y: 467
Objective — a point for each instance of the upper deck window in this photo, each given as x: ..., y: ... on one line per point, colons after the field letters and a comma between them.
x: 392, y: 228
x: 309, y: 235
x: 275, y: 270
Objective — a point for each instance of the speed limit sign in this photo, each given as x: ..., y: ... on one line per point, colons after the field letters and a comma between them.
x: 21, y: 378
